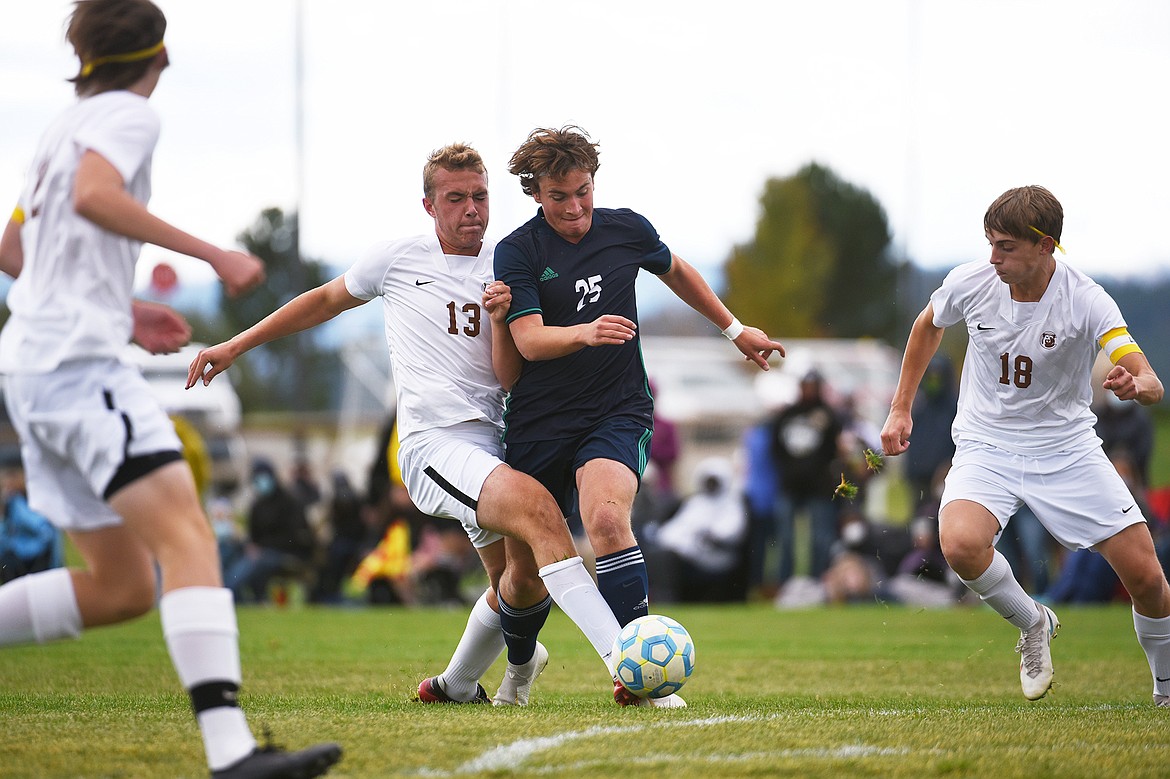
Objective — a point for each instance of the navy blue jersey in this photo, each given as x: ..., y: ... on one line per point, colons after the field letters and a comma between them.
x: 570, y: 284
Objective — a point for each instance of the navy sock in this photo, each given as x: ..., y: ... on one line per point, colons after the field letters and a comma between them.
x: 521, y: 627
x: 624, y: 584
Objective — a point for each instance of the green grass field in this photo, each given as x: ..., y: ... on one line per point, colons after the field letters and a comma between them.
x: 857, y: 691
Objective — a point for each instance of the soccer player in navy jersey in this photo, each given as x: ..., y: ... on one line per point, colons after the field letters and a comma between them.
x: 580, y: 414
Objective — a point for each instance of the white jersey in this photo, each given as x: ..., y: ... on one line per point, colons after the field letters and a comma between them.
x: 73, y: 297
x: 1026, y: 376
x: 439, y: 336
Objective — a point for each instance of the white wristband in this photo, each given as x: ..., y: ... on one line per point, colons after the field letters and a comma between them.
x: 733, y: 330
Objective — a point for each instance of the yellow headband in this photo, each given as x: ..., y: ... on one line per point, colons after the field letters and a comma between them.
x: 1043, y: 234
x: 134, y: 56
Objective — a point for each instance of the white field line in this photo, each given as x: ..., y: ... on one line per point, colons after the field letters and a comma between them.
x: 512, y: 756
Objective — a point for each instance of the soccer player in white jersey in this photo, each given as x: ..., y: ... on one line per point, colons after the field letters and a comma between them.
x: 1024, y: 429
x: 102, y: 459
x: 438, y: 319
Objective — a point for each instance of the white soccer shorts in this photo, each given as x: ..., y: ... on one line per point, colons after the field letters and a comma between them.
x: 444, y: 470
x: 1078, y: 496
x: 77, y: 425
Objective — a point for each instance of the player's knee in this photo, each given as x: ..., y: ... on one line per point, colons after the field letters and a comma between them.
x: 130, y: 597
x: 610, y: 530
x: 525, y: 586
x: 958, y: 547
x: 1147, y: 586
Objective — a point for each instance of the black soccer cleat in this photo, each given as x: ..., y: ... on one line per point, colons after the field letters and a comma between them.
x: 272, y: 762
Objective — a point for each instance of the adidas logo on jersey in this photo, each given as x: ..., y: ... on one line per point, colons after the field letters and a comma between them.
x: 549, y: 274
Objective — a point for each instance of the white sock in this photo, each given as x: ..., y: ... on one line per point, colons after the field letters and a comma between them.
x: 1154, y: 636
x: 479, y: 646
x: 573, y: 589
x: 199, y: 625
x: 998, y: 588
x: 39, y: 607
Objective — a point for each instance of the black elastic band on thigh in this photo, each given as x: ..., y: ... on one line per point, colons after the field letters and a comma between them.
x: 134, y: 468
x: 450, y: 489
x: 214, y: 695
x: 109, y: 398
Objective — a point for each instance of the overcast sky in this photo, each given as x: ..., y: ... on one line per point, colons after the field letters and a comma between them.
x: 935, y: 108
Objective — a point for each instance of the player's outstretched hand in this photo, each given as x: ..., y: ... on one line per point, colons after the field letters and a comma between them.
x: 757, y: 346
x: 210, y: 362
x: 159, y: 329
x: 239, y: 272
x: 896, y: 433
x: 497, y: 299
x: 609, y: 330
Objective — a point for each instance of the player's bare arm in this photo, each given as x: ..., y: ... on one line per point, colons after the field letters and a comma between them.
x: 99, y: 195
x: 303, y: 312
x: 1133, y: 378
x: 11, y: 249
x: 691, y: 288
x: 506, y: 359
x: 920, y: 347
x: 537, y: 341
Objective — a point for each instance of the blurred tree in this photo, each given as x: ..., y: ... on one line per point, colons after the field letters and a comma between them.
x: 819, y: 265
x: 290, y: 374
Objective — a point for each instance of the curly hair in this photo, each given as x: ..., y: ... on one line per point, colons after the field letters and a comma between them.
x: 102, y: 30
x: 455, y: 156
x: 553, y: 153
x: 1026, y: 212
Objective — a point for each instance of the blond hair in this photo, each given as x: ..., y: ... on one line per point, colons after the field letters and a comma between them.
x: 455, y: 156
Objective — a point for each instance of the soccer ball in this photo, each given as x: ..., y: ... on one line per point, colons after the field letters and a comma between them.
x: 653, y: 656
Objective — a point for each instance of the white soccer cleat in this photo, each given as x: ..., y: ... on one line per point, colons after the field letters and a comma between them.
x: 1162, y: 701
x: 517, y: 684
x: 672, y: 701
x: 1036, y: 655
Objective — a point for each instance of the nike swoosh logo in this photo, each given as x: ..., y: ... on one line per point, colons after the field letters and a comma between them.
x: 418, y: 283
x: 983, y: 327
x: 1126, y: 511
x: 1160, y: 679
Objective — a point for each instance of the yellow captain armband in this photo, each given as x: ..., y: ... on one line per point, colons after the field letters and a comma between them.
x: 18, y: 215
x: 1117, y: 343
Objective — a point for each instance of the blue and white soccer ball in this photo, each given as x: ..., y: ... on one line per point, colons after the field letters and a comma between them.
x: 653, y: 656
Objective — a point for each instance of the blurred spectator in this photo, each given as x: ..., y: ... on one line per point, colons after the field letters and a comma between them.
x: 194, y: 452
x: 280, y: 540
x: 1028, y: 547
x: 761, y: 493
x: 705, y: 537
x: 1126, y: 427
x: 303, y: 484
x: 934, y: 411
x: 805, y: 440
x: 228, y: 535
x: 925, y: 559
x: 923, y: 577
x: 441, y: 558
x: 664, y: 452
x: 1085, y: 577
x: 348, y: 539
x: 28, y: 541
x: 383, y: 575
x: 864, y: 558
x: 657, y: 497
